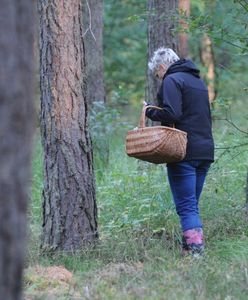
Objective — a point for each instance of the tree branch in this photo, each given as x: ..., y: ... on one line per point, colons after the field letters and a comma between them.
x: 90, y: 24
x: 231, y: 147
x: 244, y: 5
x: 235, y: 126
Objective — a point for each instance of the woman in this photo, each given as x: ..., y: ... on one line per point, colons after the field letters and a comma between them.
x: 184, y: 99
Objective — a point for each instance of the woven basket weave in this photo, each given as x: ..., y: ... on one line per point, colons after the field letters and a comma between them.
x: 157, y: 144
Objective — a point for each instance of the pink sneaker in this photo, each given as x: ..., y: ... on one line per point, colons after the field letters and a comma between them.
x: 193, y: 242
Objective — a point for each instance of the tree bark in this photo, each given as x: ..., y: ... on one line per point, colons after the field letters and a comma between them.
x: 161, y: 23
x: 16, y: 130
x: 93, y: 41
x: 69, y: 204
x: 184, y: 9
x: 207, y: 58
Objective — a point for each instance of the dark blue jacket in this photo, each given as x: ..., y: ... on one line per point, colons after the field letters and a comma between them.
x: 184, y: 99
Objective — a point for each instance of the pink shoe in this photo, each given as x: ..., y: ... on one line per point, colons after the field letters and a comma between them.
x: 193, y: 242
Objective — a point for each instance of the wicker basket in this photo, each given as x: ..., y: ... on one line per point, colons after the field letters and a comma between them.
x: 157, y: 144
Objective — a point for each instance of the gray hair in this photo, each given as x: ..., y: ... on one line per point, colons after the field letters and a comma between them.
x: 165, y: 56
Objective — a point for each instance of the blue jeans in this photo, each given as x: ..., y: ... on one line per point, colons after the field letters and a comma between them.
x: 186, y: 182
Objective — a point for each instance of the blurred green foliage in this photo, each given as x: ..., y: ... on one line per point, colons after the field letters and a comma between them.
x: 125, y: 50
x: 104, y: 124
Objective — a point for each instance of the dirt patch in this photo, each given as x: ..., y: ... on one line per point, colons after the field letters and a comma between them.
x: 55, y: 273
x: 53, y: 283
x: 49, y: 283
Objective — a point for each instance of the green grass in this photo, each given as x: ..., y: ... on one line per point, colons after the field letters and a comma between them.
x: 138, y: 254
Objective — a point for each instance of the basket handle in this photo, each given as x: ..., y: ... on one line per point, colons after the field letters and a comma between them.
x: 142, y: 123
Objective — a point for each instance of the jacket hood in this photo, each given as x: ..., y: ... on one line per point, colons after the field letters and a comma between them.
x: 183, y: 65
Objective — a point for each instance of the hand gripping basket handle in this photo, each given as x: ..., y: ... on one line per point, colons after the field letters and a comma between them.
x: 142, y: 122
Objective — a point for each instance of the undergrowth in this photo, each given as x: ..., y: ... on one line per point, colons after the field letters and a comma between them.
x: 138, y: 252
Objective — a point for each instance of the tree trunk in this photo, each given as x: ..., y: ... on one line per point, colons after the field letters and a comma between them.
x: 246, y: 193
x: 16, y: 130
x: 93, y: 41
x: 160, y: 33
x: 69, y: 205
x: 207, y: 57
x: 184, y: 8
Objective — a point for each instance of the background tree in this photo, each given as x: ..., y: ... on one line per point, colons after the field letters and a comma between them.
x: 206, y: 48
x: 207, y: 58
x: 93, y: 41
x: 69, y: 205
x: 161, y: 25
x: 16, y: 129
x: 184, y: 10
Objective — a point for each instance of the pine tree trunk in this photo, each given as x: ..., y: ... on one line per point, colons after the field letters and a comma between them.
x: 161, y: 23
x: 69, y: 204
x: 16, y: 130
x: 207, y: 58
x: 93, y: 41
x: 184, y: 8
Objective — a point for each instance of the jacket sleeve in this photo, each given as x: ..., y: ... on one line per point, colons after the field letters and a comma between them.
x: 172, y: 103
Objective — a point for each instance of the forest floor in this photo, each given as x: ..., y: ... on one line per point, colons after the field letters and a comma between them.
x: 138, y: 253
x: 151, y: 271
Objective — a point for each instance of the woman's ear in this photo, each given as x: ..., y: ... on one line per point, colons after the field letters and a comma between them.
x: 163, y: 67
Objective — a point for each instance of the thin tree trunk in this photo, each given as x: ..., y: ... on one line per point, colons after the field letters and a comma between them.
x: 16, y: 130
x: 69, y: 204
x: 161, y: 23
x: 207, y: 57
x: 184, y: 9
x: 246, y: 193
x: 93, y: 41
